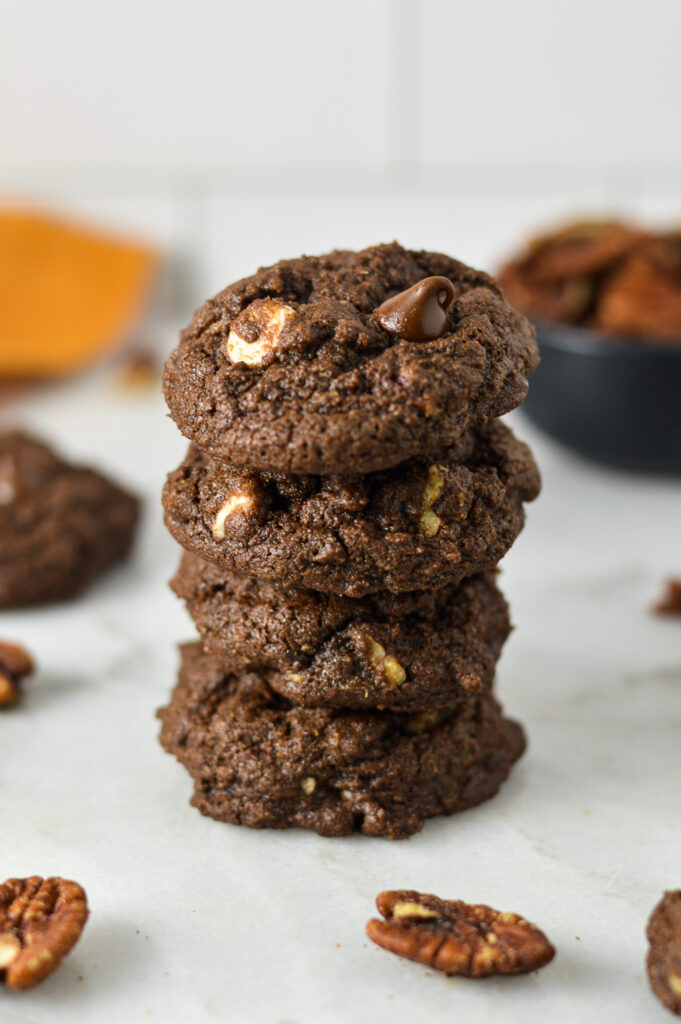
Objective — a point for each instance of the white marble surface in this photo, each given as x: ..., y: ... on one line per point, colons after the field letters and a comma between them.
x: 198, y: 921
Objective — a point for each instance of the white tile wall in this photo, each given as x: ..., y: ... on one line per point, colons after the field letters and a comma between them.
x: 216, y: 85
x: 244, y: 234
x: 206, y: 82
x: 233, y: 133
x: 571, y: 81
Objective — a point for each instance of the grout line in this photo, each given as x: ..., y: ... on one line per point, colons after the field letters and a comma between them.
x: 318, y: 181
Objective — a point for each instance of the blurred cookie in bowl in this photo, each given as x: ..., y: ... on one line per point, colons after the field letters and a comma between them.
x: 605, y: 298
x: 642, y: 296
x: 555, y: 276
x: 612, y: 277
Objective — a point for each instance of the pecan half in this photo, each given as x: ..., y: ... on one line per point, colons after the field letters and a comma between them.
x: 664, y: 954
x: 456, y: 937
x: 15, y: 663
x: 670, y: 601
x: 40, y: 921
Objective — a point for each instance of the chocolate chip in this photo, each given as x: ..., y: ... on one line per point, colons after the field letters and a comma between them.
x: 420, y: 312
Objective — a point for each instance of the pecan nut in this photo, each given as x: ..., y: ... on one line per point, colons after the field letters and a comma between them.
x: 40, y: 921
x: 454, y: 937
x: 664, y: 954
x: 670, y: 601
x: 15, y: 664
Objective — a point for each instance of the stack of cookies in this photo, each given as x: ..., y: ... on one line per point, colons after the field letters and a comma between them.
x: 347, y: 496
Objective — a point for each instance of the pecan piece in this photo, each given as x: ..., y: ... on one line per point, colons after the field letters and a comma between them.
x: 40, y: 921
x: 664, y: 955
x: 670, y: 601
x: 15, y: 663
x: 456, y: 937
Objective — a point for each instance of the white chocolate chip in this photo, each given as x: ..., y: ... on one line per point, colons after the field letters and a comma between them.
x: 308, y: 785
x: 675, y: 983
x: 422, y: 721
x: 392, y: 670
x: 233, y: 503
x: 435, y: 485
x: 430, y: 523
x: 270, y: 318
x: 376, y: 652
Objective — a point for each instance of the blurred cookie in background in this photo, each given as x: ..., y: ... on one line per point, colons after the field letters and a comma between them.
x: 605, y: 298
x: 612, y: 277
x: 61, y: 526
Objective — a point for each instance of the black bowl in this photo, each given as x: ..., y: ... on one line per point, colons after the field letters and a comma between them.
x: 617, y: 402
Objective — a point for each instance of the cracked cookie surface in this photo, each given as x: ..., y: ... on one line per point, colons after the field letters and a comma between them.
x: 414, y: 651
x: 426, y: 523
x: 290, y: 370
x: 258, y: 760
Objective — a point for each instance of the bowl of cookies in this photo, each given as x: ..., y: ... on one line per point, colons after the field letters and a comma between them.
x: 605, y: 298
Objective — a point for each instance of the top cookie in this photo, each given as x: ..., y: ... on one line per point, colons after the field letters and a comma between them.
x: 293, y: 369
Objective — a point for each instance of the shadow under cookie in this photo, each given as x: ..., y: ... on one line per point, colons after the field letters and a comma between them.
x: 258, y: 760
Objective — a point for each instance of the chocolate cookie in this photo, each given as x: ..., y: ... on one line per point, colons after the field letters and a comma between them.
x: 295, y: 370
x: 414, y: 651
x: 61, y: 526
x: 420, y: 525
x: 258, y: 760
x: 664, y: 955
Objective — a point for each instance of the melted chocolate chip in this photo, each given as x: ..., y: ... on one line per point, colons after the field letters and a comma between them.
x: 420, y: 312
